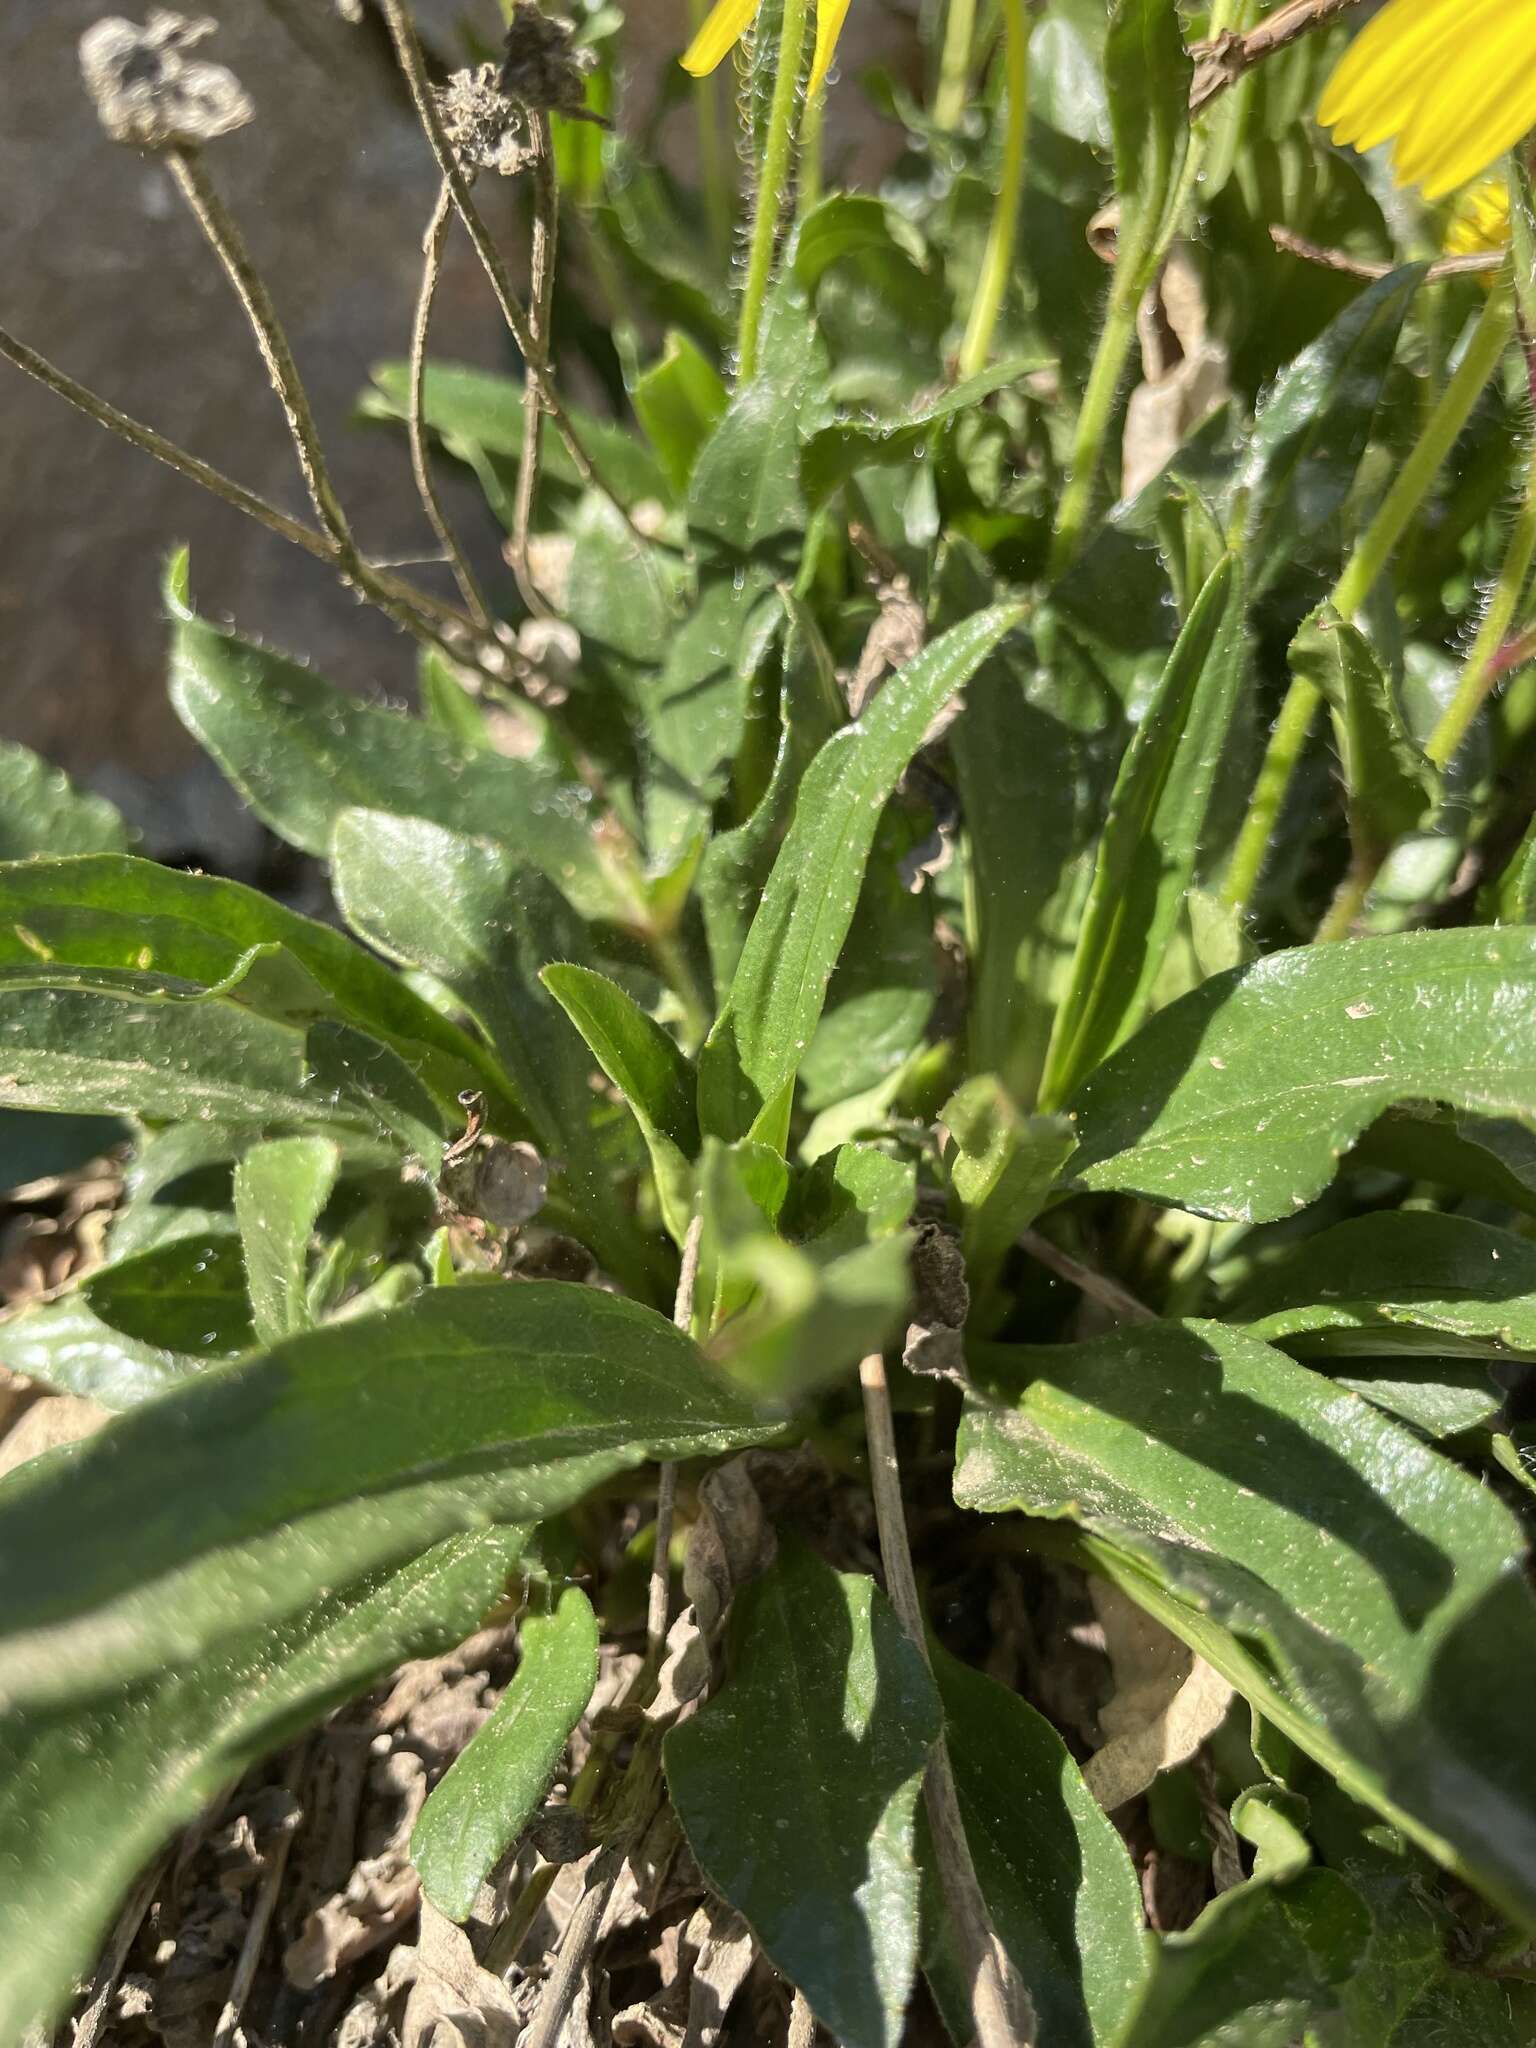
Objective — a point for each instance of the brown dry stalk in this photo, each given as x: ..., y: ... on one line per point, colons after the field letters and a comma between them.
x: 1478, y: 263
x: 541, y: 300
x: 1223, y: 62
x: 1000, y: 2003
x: 433, y: 244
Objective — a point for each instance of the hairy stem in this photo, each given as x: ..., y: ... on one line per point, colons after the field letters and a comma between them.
x: 955, y: 65
x: 772, y: 187
x: 1000, y: 2006
x: 997, y: 266
x: 433, y: 244
x: 1410, y: 488
x: 1287, y: 743
x: 1093, y: 421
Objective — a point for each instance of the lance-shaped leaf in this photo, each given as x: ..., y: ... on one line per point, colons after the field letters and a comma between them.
x: 244, y: 1494
x: 1151, y: 838
x: 113, y: 912
x: 41, y: 811
x: 137, y: 1045
x: 300, y: 752
x: 651, y: 1071
x: 1384, y: 1586
x: 280, y: 1189
x: 469, y: 913
x: 1147, y: 73
x: 1388, y: 783
x: 1316, y: 425
x: 797, y: 1788
x: 1403, y: 1281
x: 1059, y: 1886
x: 121, y: 1768
x: 1239, y: 1099
x: 749, y: 1064
x: 736, y: 865
x: 493, y: 1787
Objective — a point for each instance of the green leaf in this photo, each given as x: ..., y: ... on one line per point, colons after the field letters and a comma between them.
x: 188, y: 1297
x: 353, y: 1069
x: 736, y: 865
x: 1388, y: 782
x: 127, y: 1045
x: 1239, y: 1100
x: 108, y: 912
x: 695, y: 711
x: 1265, y: 1961
x: 1514, y: 893
x: 1003, y: 1167
x: 494, y: 1786
x: 465, y: 911
x: 836, y: 453
x: 477, y: 411
x: 1060, y: 1889
x: 68, y: 1347
x: 1408, y: 1281
x: 679, y: 401
x: 124, y: 1767
x: 1315, y: 426
x: 750, y: 1060
x: 1147, y: 72
x: 745, y: 493
x: 301, y: 752
x: 797, y: 1786
x: 649, y: 1069
x: 280, y: 1190
x: 1152, y: 837
x: 41, y: 811
x: 1383, y: 1585
x: 238, y: 1498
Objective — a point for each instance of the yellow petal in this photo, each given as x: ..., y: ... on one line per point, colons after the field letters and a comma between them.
x: 1452, y: 82
x: 728, y: 22
x: 1482, y: 103
x: 830, y: 16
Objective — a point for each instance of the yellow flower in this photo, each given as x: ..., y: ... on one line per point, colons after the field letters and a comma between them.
x: 729, y: 21
x: 1450, y: 83
x: 1479, y: 226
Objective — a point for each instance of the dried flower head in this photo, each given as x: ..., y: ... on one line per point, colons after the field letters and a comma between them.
x: 543, y: 68
x: 487, y: 130
x: 149, y: 93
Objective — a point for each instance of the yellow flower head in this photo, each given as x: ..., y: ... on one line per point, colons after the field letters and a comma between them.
x: 1479, y: 226
x: 729, y: 21
x: 1451, y: 83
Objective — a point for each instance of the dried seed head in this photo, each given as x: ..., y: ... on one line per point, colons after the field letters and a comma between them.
x: 487, y: 130
x: 543, y: 67
x: 149, y: 93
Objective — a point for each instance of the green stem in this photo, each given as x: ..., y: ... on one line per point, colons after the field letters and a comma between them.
x: 773, y: 187
x: 1350, y: 900
x: 1093, y: 421
x: 955, y: 65
x: 1364, y: 570
x: 1415, y: 480
x: 997, y: 268
x: 812, y: 134
x: 1486, y: 663
x: 1286, y: 744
